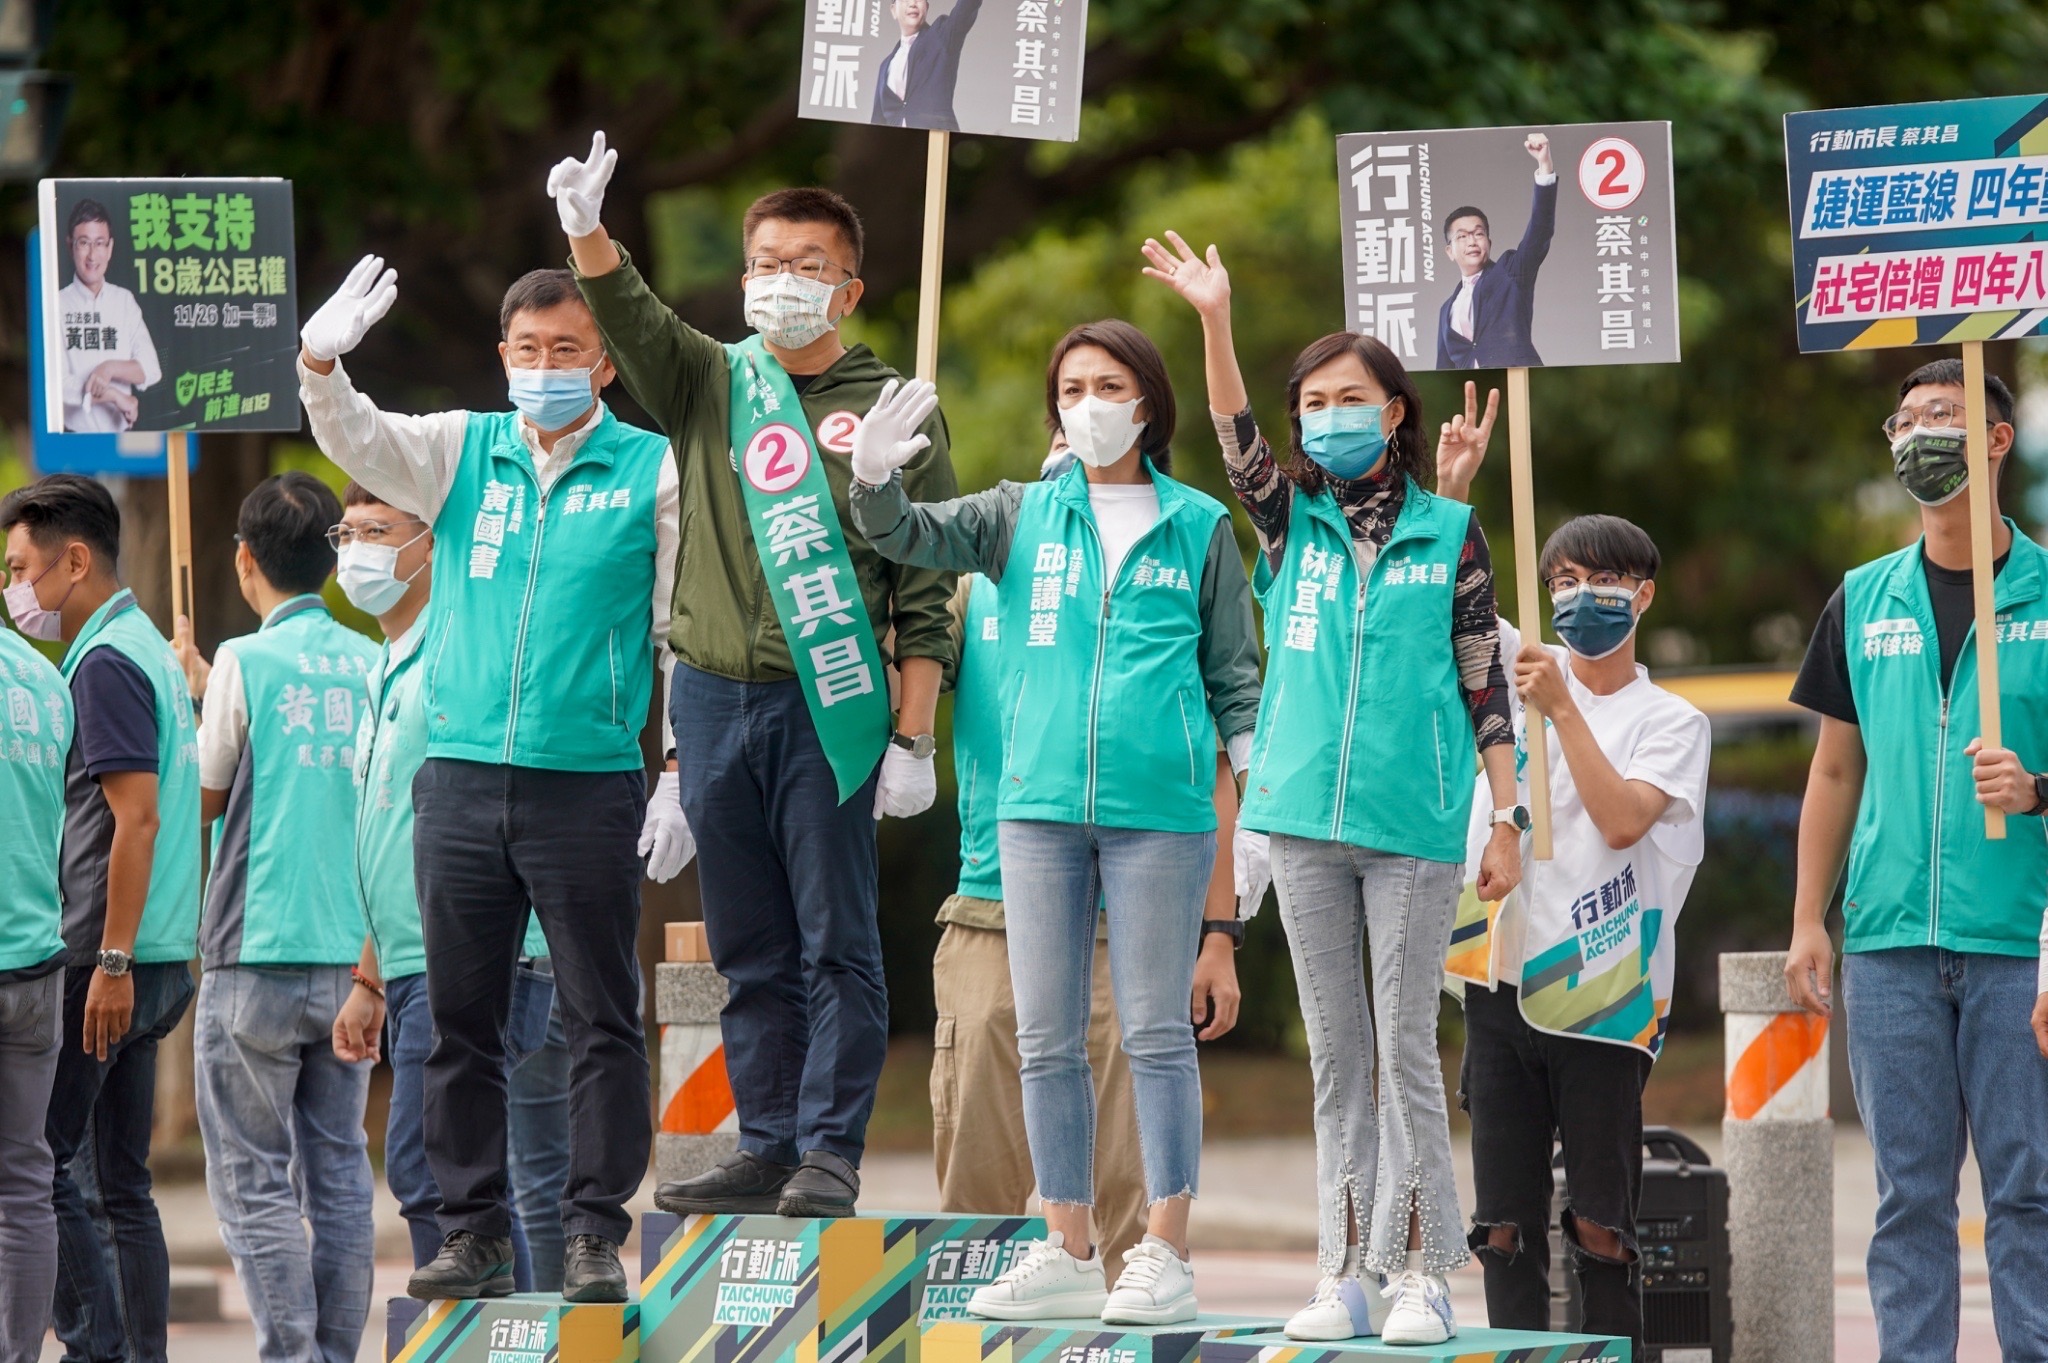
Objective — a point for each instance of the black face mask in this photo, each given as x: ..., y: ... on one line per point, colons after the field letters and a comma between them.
x: 1929, y: 463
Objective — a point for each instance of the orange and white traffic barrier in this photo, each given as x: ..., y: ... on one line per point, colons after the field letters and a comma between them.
x: 1777, y: 1067
x: 699, y: 1125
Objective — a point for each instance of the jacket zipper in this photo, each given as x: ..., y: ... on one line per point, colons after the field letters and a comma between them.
x: 1350, y: 700
x: 1102, y: 641
x: 1934, y: 851
x: 540, y: 530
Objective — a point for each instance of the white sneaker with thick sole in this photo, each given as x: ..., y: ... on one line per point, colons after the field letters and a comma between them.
x: 1342, y: 1308
x: 1156, y: 1287
x: 1421, y: 1309
x: 1046, y: 1284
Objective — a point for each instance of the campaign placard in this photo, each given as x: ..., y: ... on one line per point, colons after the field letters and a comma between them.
x: 1919, y: 224
x: 1006, y: 68
x: 173, y: 305
x: 1494, y: 248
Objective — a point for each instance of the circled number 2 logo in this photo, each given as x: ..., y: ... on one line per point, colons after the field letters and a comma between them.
x: 837, y: 430
x: 777, y: 458
x: 1612, y: 173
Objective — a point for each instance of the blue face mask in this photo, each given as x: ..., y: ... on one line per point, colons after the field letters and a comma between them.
x: 552, y: 399
x: 1595, y: 621
x: 1346, y: 441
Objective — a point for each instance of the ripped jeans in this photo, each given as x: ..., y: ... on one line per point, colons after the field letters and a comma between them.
x: 1392, y: 1157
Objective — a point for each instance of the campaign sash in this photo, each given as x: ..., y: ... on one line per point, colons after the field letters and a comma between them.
x: 810, y: 575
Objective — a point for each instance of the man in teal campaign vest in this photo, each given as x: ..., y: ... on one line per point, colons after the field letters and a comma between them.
x: 129, y: 878
x: 1943, y: 927
x: 281, y: 1115
x: 554, y: 545
x: 784, y: 620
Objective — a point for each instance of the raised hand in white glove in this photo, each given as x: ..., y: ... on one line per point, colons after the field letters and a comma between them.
x: 665, y: 839
x: 888, y: 438
x: 366, y: 295
x: 1251, y: 868
x: 577, y: 187
x: 908, y: 784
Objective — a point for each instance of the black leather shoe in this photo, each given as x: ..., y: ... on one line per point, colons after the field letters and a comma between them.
x: 742, y: 1184
x: 590, y: 1270
x: 469, y: 1265
x: 823, y: 1185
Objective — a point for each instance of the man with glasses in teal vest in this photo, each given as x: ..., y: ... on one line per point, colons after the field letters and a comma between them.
x: 554, y: 545
x: 1942, y: 926
x: 130, y: 884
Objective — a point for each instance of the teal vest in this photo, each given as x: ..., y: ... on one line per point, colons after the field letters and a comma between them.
x: 1363, y: 733
x: 281, y: 892
x: 170, y: 913
x: 391, y: 743
x: 1105, y: 711
x: 1921, y: 871
x: 978, y: 740
x: 35, y: 744
x: 540, y: 648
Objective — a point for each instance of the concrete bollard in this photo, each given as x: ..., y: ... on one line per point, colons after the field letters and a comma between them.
x: 698, y: 1126
x: 1778, y: 1144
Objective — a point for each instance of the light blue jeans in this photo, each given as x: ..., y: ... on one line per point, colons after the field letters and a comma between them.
x: 1153, y: 886
x: 1943, y: 1059
x: 287, y: 1162
x: 1374, y: 1165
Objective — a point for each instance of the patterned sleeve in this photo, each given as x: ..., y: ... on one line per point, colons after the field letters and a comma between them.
x: 1475, y: 641
x: 1255, y: 477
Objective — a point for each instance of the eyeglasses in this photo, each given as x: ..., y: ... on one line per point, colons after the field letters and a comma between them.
x: 1939, y: 412
x: 564, y: 355
x: 369, y: 532
x: 1468, y: 236
x: 809, y: 267
x: 1563, y: 586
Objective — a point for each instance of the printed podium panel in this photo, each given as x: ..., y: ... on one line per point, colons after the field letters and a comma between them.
x: 1083, y: 1341
x: 770, y: 1289
x: 1467, y: 1346
x: 532, y: 1327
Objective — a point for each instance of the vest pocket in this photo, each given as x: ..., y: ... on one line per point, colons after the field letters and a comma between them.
x: 1188, y: 737
x: 1436, y: 727
x: 611, y: 657
x: 1266, y: 738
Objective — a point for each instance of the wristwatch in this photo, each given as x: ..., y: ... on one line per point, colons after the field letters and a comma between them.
x: 1518, y: 816
x: 2040, y: 794
x: 115, y: 963
x: 919, y: 746
x: 1233, y: 928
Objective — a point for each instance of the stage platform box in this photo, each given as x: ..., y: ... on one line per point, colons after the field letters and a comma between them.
x: 531, y: 1327
x: 1467, y: 1346
x: 1083, y: 1341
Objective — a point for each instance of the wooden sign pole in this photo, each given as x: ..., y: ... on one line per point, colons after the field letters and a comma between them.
x: 938, y: 156
x: 178, y: 482
x: 1528, y: 600
x: 1978, y: 451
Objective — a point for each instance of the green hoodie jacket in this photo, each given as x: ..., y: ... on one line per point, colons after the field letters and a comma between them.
x: 724, y: 621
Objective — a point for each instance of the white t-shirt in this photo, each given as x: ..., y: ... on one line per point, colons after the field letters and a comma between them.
x: 92, y: 329
x: 1123, y: 512
x: 899, y: 70
x: 1461, y: 306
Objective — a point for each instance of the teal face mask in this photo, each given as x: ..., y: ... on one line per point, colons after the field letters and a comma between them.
x: 1345, y: 441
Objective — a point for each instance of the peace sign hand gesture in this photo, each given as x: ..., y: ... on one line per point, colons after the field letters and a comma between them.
x: 1461, y: 444
x: 1203, y: 282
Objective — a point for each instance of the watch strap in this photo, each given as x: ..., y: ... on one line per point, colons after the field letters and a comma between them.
x: 1233, y: 928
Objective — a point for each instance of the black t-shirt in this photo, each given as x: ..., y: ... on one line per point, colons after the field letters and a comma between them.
x: 1823, y: 684
x: 116, y: 731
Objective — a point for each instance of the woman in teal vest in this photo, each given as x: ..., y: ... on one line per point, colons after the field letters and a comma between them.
x: 1127, y: 645
x: 1383, y: 670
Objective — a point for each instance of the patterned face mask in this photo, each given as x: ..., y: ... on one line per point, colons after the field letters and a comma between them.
x: 790, y: 310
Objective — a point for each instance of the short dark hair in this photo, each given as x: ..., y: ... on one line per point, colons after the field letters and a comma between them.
x: 355, y: 494
x: 1468, y: 211
x: 807, y: 203
x: 284, y: 523
x: 60, y: 507
x: 1949, y: 373
x: 1407, y: 453
x: 1601, y: 543
x: 87, y: 210
x: 537, y: 291
x: 1134, y: 350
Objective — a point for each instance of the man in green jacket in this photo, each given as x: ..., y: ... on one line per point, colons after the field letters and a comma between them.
x: 784, y: 620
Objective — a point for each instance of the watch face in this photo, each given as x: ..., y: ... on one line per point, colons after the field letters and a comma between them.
x: 1522, y: 819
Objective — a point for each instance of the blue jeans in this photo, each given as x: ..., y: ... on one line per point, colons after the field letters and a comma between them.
x: 540, y: 1145
x: 408, y: 1040
x: 1152, y: 886
x: 1942, y: 1058
x: 282, y: 1118
x: 113, y: 1273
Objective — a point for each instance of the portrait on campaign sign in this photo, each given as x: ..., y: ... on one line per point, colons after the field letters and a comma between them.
x: 1011, y: 68
x: 1491, y: 248
x: 174, y: 305
x: 1919, y: 224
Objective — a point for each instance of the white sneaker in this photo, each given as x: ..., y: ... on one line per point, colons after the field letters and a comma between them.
x: 1046, y: 1284
x: 1156, y: 1287
x: 1421, y: 1311
x: 1342, y: 1308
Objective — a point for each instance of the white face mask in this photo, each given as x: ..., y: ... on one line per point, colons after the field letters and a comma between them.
x: 789, y: 310
x: 1101, y: 432
x: 368, y: 574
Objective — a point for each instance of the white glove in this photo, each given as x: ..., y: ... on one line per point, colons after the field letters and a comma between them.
x: 577, y: 187
x: 366, y: 295
x: 1251, y: 869
x: 665, y: 839
x: 908, y: 786
x: 888, y: 438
